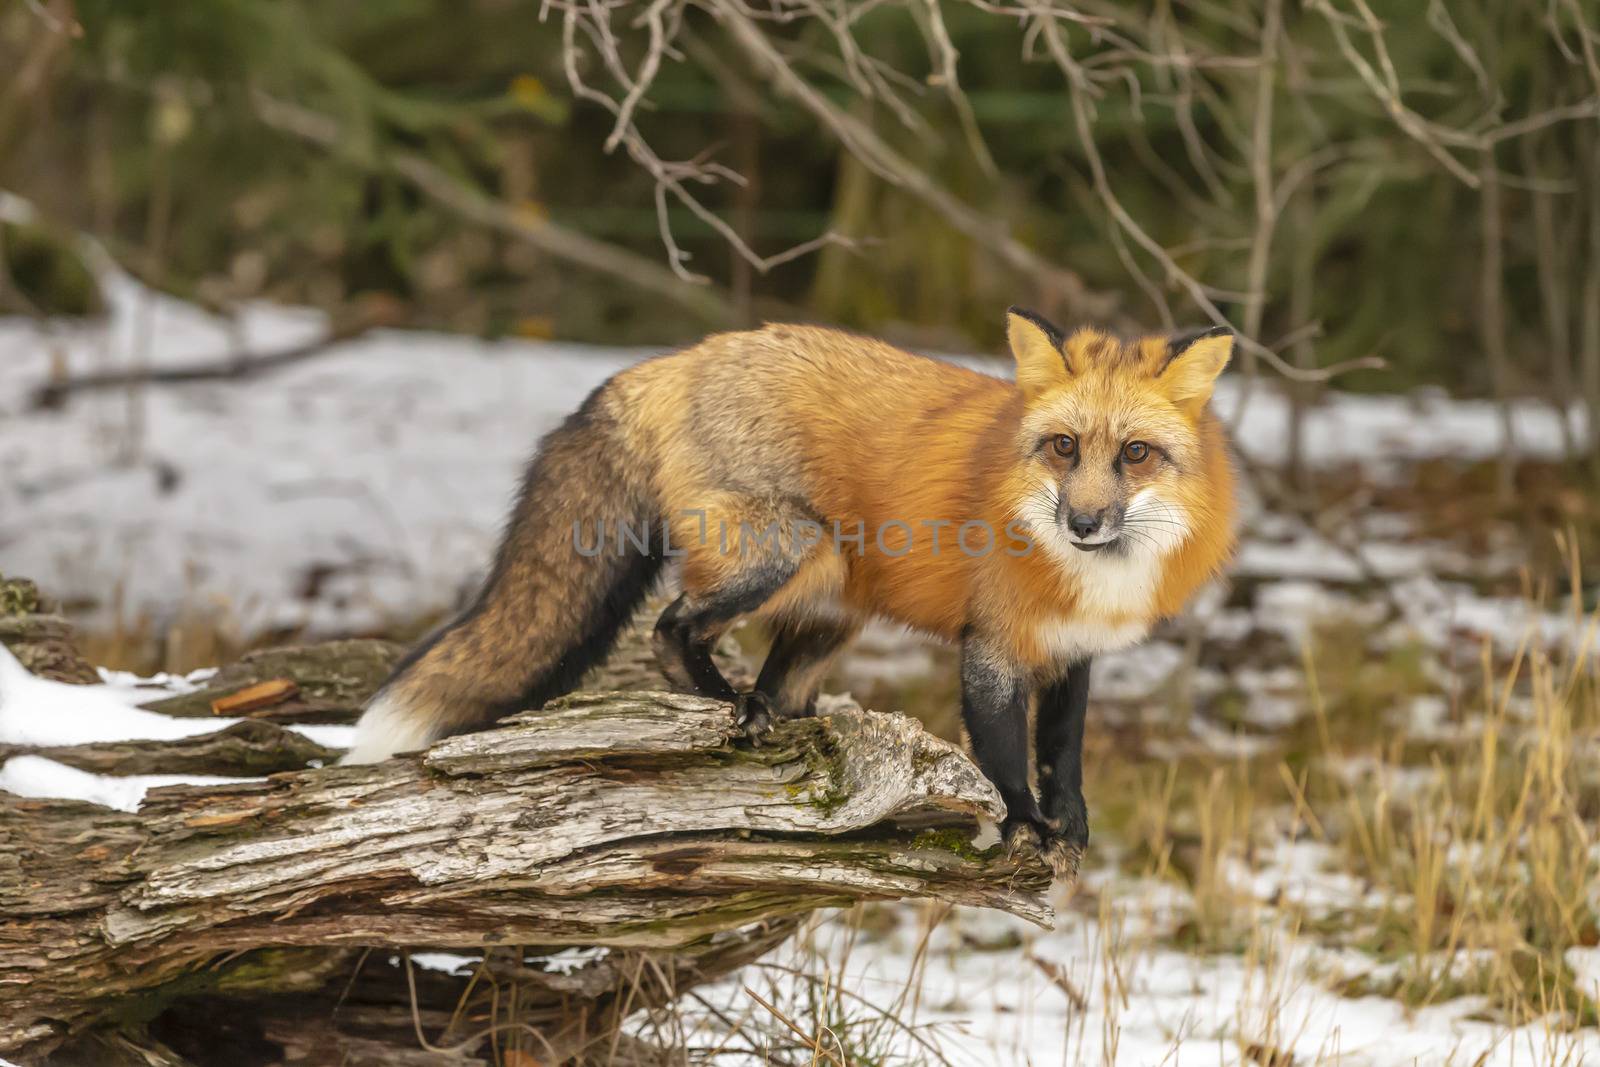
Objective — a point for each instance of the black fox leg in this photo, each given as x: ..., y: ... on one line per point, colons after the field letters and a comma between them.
x: 688, y: 630
x: 994, y: 709
x: 799, y: 658
x: 683, y: 639
x: 1059, y: 749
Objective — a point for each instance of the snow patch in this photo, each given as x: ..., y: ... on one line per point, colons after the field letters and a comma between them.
x: 35, y: 776
x: 569, y: 960
x: 42, y: 713
x: 38, y: 711
x: 449, y: 963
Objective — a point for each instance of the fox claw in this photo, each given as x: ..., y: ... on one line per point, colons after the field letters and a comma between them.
x: 1063, y: 858
x: 1022, y: 837
x: 753, y: 715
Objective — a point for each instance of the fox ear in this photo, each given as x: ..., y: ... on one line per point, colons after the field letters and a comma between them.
x: 1036, y: 345
x: 1193, y: 362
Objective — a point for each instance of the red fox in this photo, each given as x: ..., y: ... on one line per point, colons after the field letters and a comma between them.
x: 819, y: 479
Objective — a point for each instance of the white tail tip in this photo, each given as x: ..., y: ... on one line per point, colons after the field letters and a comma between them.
x: 388, y: 726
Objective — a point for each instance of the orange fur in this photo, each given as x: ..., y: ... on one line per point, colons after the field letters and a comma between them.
x: 863, y: 433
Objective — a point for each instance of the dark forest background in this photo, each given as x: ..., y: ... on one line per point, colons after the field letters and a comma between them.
x: 1339, y: 179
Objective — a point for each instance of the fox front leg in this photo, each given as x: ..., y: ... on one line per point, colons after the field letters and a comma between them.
x: 1059, y: 750
x: 994, y: 709
x: 684, y: 636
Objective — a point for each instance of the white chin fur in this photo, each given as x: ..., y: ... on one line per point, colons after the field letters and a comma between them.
x: 1120, y: 584
x: 386, y: 727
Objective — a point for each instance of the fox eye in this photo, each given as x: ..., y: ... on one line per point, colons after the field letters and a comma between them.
x: 1135, y: 451
x: 1066, y: 445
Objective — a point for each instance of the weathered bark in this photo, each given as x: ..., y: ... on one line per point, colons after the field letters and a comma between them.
x: 635, y: 820
x: 334, y: 680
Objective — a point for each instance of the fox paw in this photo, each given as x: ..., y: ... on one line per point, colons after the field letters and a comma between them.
x: 1063, y: 858
x: 1023, y: 837
x: 753, y: 715
x: 1020, y: 836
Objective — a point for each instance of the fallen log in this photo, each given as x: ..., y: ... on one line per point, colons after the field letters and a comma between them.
x: 276, y: 917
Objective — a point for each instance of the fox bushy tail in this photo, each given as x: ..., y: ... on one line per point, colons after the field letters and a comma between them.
x: 563, y: 585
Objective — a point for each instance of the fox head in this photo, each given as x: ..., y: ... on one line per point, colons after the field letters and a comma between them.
x: 1112, y: 435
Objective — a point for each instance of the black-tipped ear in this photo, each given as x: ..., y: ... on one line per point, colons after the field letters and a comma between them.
x: 1179, y: 343
x: 1193, y: 362
x: 1052, y: 332
x: 1036, y: 346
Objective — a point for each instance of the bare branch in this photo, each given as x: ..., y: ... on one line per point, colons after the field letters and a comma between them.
x: 1261, y: 170
x: 231, y: 367
x: 945, y: 55
x: 663, y: 20
x: 1197, y: 292
x: 472, y: 203
x: 878, y: 157
x: 647, y: 71
x: 1387, y: 91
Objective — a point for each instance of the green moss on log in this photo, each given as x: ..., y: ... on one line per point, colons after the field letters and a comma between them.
x: 19, y: 596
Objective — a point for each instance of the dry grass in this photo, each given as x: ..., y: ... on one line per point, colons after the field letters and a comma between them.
x: 1488, y: 850
x: 1472, y: 860
x: 201, y: 633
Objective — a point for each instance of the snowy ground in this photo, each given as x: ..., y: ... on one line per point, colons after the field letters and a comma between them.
x: 368, y: 485
x: 983, y: 989
x: 1145, y: 1004
x: 378, y: 474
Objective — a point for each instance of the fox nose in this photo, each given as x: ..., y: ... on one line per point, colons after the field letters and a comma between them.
x: 1083, y: 523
